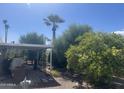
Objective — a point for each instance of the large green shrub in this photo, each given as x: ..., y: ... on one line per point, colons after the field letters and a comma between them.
x: 97, y: 57
x: 63, y: 42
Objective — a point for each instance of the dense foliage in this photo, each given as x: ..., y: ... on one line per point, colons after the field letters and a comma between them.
x: 32, y: 38
x: 63, y: 42
x: 97, y: 56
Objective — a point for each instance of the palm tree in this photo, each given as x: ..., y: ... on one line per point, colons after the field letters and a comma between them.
x: 6, y: 29
x: 53, y: 20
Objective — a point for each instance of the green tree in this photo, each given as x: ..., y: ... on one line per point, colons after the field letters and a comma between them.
x: 32, y: 38
x: 95, y: 59
x: 63, y: 42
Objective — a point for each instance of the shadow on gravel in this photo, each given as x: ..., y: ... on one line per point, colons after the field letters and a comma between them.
x: 38, y: 79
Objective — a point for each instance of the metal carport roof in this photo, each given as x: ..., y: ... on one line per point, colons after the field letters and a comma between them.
x: 25, y: 46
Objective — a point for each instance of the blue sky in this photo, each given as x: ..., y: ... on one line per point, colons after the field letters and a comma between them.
x: 24, y: 18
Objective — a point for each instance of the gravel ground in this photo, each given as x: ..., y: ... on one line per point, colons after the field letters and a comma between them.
x: 64, y: 84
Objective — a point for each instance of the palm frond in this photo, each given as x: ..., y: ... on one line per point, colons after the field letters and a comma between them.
x: 55, y: 19
x: 47, y: 23
x: 45, y: 19
x: 4, y: 21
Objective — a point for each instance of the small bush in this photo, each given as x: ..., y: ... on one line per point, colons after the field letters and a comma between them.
x: 55, y: 73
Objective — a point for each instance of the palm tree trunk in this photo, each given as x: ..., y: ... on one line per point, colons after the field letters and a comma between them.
x: 54, y: 35
x: 6, y: 32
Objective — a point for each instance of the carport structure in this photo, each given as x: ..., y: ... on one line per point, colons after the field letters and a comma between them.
x: 38, y: 47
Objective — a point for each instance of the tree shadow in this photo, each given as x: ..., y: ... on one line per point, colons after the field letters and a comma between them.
x: 118, y: 82
x: 39, y: 79
x: 42, y: 80
x: 74, y: 78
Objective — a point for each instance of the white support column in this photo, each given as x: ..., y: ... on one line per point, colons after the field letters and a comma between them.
x: 51, y: 59
x: 46, y: 55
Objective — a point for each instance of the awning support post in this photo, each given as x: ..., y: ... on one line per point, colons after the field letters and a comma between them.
x: 51, y: 59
